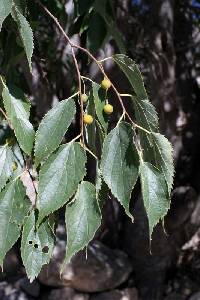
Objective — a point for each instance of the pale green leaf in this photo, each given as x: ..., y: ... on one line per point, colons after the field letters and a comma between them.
x: 119, y: 163
x: 14, y: 207
x: 6, y: 162
x: 36, y: 246
x: 18, y: 113
x: 132, y: 72
x: 155, y: 194
x: 164, y: 158
x: 83, y: 218
x: 100, y: 101
x: 52, y: 129
x: 25, y: 33
x: 5, y: 10
x: 59, y: 178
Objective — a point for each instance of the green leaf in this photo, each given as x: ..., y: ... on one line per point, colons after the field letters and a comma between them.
x: 18, y: 113
x: 36, y: 246
x: 98, y: 28
x: 14, y: 207
x: 101, y: 8
x: 119, y: 163
x: 83, y: 218
x: 6, y: 162
x: 25, y: 33
x: 5, y: 10
x: 100, y: 101
x: 155, y: 194
x: 146, y: 114
x: 59, y: 178
x: 164, y: 158
x: 132, y: 72
x: 52, y: 129
x: 91, y: 130
x: 82, y: 7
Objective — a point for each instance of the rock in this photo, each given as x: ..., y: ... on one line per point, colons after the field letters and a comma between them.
x: 104, y: 269
x: 32, y: 289
x: 8, y: 292
x: 127, y: 294
x: 67, y: 294
x: 195, y: 296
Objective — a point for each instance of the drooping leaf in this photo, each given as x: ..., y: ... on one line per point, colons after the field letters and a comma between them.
x: 132, y: 72
x: 14, y: 207
x: 155, y: 194
x: 83, y: 218
x: 17, y: 110
x: 6, y: 162
x: 99, y: 100
x: 101, y: 8
x: 98, y: 28
x: 36, y: 246
x: 52, y: 129
x: 5, y: 10
x: 26, y: 33
x: 59, y: 178
x: 164, y: 158
x: 119, y: 163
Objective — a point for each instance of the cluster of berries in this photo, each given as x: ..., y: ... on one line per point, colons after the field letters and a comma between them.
x: 108, y: 108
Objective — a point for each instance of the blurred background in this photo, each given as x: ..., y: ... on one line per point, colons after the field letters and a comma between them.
x: 163, y: 37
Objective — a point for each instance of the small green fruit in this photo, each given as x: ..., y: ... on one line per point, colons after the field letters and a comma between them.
x: 84, y: 98
x: 108, y: 109
x: 87, y: 119
x: 105, y: 84
x: 14, y: 166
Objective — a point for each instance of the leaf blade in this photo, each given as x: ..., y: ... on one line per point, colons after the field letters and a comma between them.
x: 164, y: 157
x: 56, y: 121
x: 59, y: 178
x: 13, y: 209
x: 26, y: 33
x: 83, y: 218
x: 99, y: 101
x: 155, y: 194
x: 35, y: 257
x: 119, y: 163
x: 18, y: 113
x: 5, y: 10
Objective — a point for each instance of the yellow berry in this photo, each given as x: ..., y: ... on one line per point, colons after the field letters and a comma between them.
x: 87, y: 119
x: 84, y: 97
x: 105, y: 84
x: 108, y: 109
x: 14, y: 166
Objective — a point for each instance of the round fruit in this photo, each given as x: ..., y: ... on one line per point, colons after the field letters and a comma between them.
x: 105, y: 84
x: 14, y: 166
x: 84, y: 97
x: 108, y: 109
x: 87, y: 119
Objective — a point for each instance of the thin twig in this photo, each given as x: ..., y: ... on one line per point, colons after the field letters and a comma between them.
x: 99, y: 64
x: 6, y: 117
